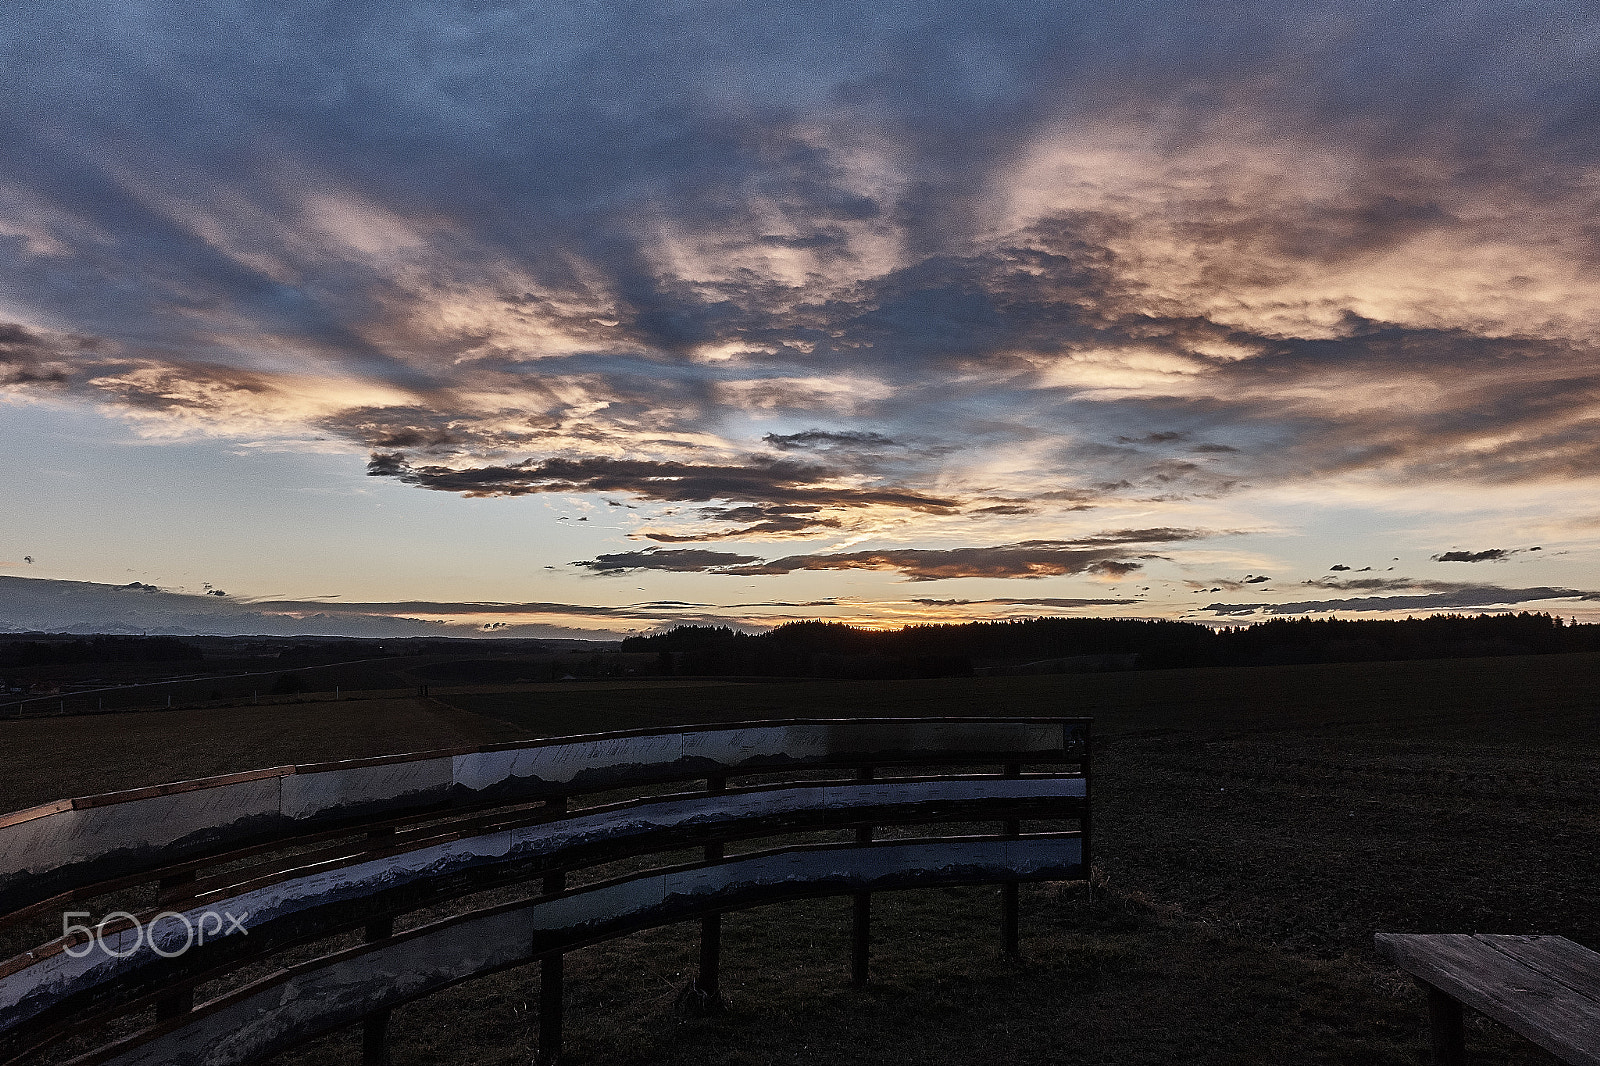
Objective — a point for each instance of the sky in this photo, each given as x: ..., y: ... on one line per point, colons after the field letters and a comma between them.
x: 552, y: 319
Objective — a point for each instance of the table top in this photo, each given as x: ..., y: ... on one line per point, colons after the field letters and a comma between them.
x: 1546, y: 988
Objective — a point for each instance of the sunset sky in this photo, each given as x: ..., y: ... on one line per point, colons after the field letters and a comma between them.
x: 535, y: 319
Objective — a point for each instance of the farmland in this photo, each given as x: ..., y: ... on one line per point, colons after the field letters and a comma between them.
x: 1254, y: 826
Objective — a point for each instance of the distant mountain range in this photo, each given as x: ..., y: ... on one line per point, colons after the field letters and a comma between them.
x: 44, y: 605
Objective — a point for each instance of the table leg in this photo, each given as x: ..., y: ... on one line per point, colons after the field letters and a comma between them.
x: 1449, y: 1038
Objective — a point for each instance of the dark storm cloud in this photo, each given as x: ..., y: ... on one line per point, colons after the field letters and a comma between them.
x: 535, y: 224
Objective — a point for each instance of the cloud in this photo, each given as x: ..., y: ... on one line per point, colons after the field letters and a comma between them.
x: 46, y: 605
x: 1488, y: 555
x: 764, y: 520
x: 1043, y: 601
x: 1467, y: 597
x: 1002, y: 255
x: 1029, y: 559
x: 763, y: 480
x: 814, y: 438
x: 678, y: 560
x: 1101, y: 554
x: 1375, y: 584
x: 29, y: 358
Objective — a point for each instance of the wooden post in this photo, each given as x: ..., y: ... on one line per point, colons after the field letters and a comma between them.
x: 861, y: 908
x: 173, y: 891
x: 551, y: 971
x: 1449, y: 1037
x: 709, y: 982
x: 1008, y: 889
x: 375, y: 1026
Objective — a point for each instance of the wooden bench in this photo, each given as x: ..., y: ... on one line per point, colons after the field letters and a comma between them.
x: 1545, y: 988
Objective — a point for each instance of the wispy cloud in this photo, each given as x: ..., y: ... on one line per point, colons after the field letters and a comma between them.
x: 1101, y: 554
x: 1459, y: 598
x: 760, y: 479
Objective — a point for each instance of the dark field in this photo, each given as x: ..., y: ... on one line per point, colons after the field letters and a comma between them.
x: 1253, y: 828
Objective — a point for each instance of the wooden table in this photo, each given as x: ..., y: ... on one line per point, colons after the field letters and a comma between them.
x: 1546, y: 988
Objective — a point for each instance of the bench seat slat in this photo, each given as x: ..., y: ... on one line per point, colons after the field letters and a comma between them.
x: 1493, y: 975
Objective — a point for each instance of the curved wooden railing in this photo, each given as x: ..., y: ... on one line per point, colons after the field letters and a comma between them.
x: 229, y: 871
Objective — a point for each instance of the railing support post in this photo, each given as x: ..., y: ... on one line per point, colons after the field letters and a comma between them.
x: 1085, y: 838
x: 174, y: 891
x: 551, y: 971
x: 550, y: 980
x: 375, y: 1026
x: 861, y: 908
x: 1008, y: 889
x: 705, y: 995
x: 710, y: 979
x: 375, y: 1039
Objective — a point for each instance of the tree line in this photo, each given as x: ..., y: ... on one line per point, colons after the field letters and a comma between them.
x: 97, y: 650
x: 833, y: 649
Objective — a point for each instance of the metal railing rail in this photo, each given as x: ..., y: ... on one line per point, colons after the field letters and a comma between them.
x: 392, y: 836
